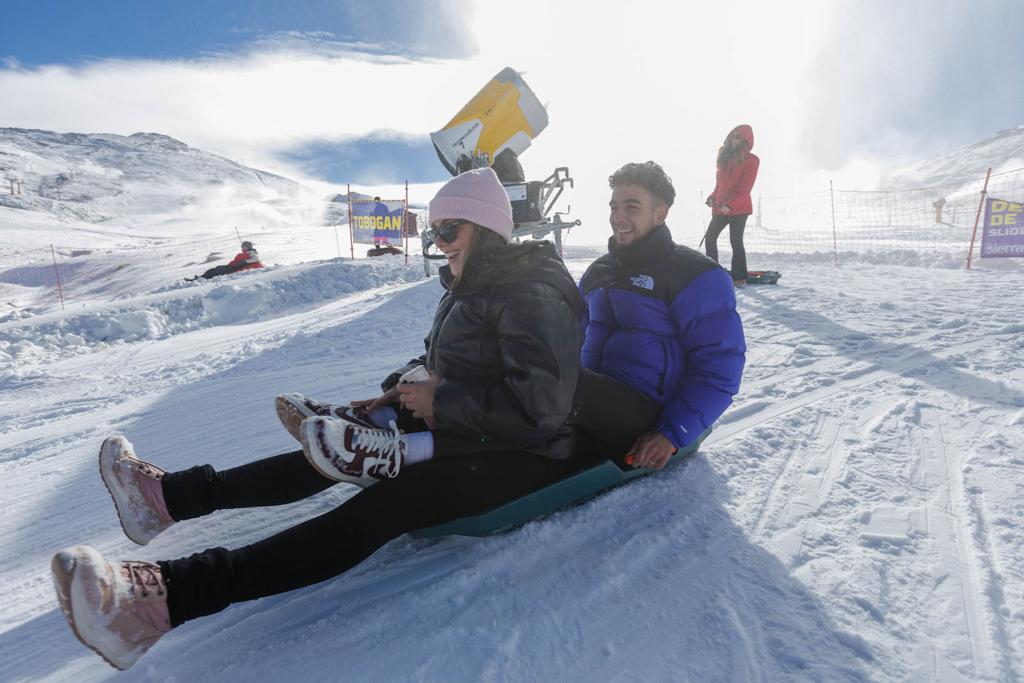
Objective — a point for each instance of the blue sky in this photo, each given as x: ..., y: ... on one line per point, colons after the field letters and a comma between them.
x: 67, y: 31
x: 349, y: 92
x: 54, y: 32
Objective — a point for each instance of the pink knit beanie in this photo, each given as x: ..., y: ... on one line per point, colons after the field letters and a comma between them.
x: 475, y: 196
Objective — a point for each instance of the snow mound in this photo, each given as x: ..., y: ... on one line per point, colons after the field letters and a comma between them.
x: 183, y: 308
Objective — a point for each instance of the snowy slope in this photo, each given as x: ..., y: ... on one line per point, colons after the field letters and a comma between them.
x: 103, y: 189
x: 1003, y: 151
x: 856, y: 515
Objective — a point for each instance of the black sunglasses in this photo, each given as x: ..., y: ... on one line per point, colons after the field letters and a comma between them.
x: 448, y: 231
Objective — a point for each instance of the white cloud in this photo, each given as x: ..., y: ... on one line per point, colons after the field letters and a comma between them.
x: 623, y: 81
x: 664, y: 81
x: 229, y: 104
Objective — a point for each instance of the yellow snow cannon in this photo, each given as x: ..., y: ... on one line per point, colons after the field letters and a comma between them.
x: 504, y: 115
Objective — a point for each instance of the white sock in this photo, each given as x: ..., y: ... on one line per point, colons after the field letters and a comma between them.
x: 382, y: 416
x: 419, y: 446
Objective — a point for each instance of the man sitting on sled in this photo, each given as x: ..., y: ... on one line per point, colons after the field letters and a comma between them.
x: 660, y: 318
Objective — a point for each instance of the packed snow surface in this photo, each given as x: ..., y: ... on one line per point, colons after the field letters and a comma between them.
x: 856, y: 515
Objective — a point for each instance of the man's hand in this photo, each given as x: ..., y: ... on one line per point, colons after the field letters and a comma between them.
x: 370, y: 404
x: 651, y: 450
x: 418, y: 397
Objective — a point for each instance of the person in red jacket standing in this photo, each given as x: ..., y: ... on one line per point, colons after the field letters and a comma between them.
x: 730, y: 202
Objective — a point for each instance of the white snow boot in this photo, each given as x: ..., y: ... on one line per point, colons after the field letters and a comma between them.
x: 137, y: 489
x: 118, y: 610
x: 292, y: 409
x: 344, y: 451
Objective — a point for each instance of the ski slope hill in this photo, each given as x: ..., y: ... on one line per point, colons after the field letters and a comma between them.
x: 103, y: 189
x: 1001, y: 152
x: 855, y: 516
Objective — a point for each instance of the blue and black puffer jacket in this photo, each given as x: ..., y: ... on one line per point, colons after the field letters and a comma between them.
x: 662, y: 318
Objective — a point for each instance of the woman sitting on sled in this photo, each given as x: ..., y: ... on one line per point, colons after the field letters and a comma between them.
x: 485, y: 424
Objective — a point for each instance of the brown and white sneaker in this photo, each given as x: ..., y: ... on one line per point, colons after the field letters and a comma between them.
x: 137, y: 489
x: 118, y: 610
x: 292, y: 409
x: 344, y: 451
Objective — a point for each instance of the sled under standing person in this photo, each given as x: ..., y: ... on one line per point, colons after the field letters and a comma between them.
x: 246, y: 259
x: 497, y: 384
x: 736, y: 171
x: 383, y: 248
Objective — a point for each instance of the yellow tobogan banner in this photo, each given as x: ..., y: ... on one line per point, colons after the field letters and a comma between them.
x: 505, y: 114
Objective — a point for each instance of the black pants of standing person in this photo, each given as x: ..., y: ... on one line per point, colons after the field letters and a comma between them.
x: 739, y: 254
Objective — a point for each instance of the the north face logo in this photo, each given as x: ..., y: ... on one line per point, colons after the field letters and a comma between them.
x: 642, y: 281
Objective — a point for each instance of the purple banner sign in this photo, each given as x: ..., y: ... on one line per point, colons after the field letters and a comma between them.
x: 1003, y: 234
x: 376, y: 222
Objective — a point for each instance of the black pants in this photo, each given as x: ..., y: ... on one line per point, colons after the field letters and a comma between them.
x: 424, y: 495
x: 739, y: 254
x: 219, y: 270
x: 609, y: 415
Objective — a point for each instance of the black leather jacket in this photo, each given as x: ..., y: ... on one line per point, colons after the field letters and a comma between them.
x: 506, y: 341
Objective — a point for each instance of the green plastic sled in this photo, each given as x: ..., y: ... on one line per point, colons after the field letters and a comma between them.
x: 569, y: 491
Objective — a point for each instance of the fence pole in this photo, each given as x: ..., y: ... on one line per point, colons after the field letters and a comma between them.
x: 337, y: 236
x: 835, y: 248
x: 405, y: 222
x: 977, y: 217
x: 60, y: 290
x: 351, y: 235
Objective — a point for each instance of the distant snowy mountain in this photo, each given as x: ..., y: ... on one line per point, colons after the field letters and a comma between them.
x: 1001, y: 152
x: 151, y: 184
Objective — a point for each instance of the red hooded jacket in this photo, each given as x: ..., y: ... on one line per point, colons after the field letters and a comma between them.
x: 244, y: 260
x: 734, y: 181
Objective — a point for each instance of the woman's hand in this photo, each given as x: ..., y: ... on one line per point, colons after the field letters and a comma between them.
x: 726, y: 209
x: 370, y: 404
x: 418, y: 397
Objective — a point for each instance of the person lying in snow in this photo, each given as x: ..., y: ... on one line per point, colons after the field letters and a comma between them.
x: 496, y: 385
x: 244, y: 260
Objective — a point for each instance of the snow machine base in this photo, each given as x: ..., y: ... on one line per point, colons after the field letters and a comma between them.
x: 763, y: 277
x: 532, y: 203
x: 572, y: 490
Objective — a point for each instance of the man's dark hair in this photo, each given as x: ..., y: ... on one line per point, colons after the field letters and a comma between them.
x: 648, y: 175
